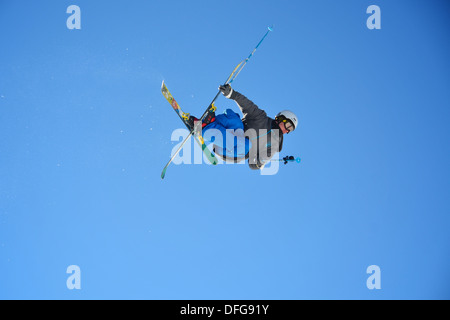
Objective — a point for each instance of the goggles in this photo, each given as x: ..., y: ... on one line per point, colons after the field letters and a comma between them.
x: 287, y: 123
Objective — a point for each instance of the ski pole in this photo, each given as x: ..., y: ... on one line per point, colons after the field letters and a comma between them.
x: 288, y: 159
x: 237, y: 70
x: 230, y: 79
x: 251, y: 55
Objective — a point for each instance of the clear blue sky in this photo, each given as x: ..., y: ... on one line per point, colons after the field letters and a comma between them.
x: 85, y: 133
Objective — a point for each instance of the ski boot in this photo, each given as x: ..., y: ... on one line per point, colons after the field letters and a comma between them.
x: 210, y: 118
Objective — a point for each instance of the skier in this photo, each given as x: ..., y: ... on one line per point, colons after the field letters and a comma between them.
x: 256, y: 137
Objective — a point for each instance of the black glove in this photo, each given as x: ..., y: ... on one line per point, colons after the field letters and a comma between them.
x: 287, y: 159
x: 226, y: 90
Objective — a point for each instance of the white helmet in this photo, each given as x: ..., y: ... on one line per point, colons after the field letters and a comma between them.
x: 288, y: 115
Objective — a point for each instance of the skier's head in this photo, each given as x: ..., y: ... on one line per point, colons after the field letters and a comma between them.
x: 287, y: 121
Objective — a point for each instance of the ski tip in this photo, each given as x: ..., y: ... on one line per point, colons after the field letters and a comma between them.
x: 162, y: 84
x: 163, y: 174
x: 270, y: 28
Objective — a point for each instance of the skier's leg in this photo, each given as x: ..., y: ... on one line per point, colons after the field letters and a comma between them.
x: 232, y: 120
x: 216, y: 131
x: 231, y: 128
x: 210, y: 118
x: 241, y: 145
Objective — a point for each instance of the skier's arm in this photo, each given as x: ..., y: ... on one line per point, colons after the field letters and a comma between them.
x: 248, y: 108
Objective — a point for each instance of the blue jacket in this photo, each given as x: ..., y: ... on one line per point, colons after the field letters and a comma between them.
x: 263, y: 134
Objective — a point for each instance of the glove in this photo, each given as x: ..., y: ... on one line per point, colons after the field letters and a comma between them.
x: 287, y: 159
x: 226, y: 90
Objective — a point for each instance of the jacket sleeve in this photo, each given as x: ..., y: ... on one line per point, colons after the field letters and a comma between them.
x: 248, y: 108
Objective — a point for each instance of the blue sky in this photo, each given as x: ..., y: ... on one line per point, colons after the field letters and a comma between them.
x: 86, y: 132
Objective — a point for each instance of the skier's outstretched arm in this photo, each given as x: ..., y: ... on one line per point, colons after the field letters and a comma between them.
x: 248, y: 108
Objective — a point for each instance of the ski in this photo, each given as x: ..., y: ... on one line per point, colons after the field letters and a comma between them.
x: 185, y: 117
